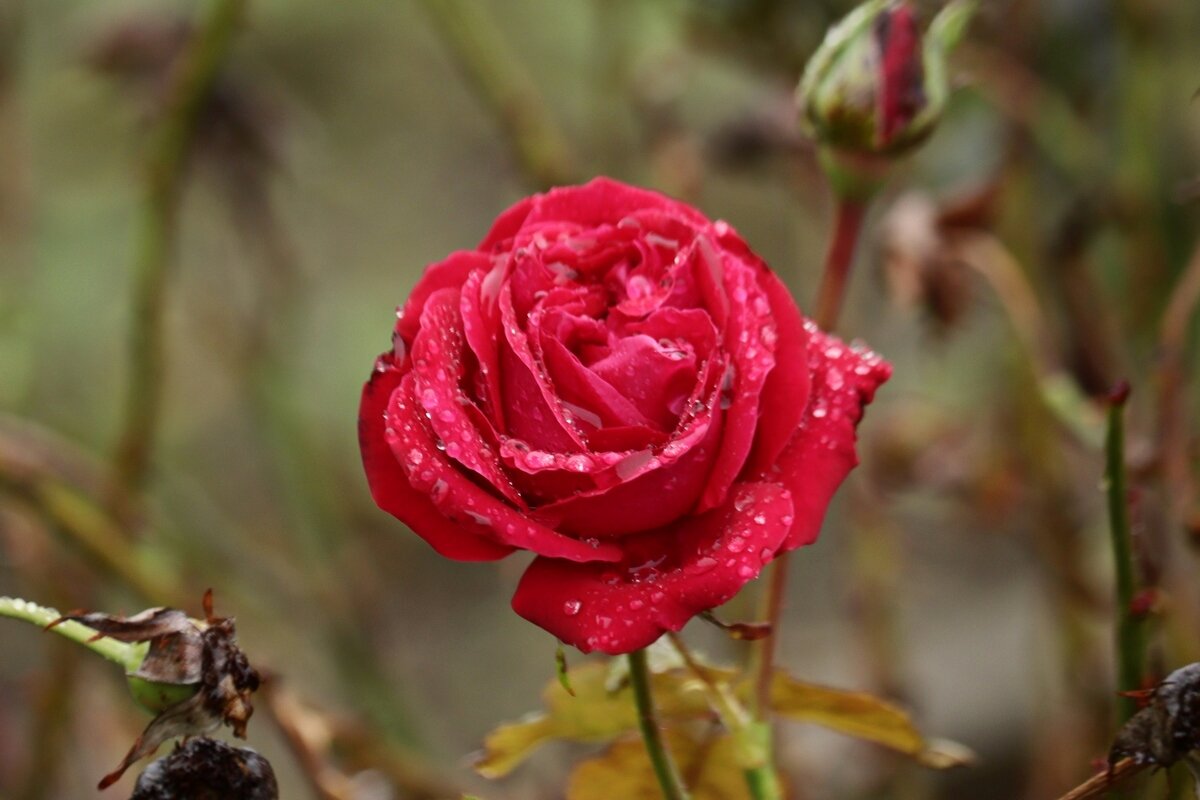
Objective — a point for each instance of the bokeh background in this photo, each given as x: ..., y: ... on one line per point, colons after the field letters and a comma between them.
x: 1037, y: 249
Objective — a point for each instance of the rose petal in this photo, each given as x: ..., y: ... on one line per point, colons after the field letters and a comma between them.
x: 648, y: 491
x: 532, y: 410
x: 603, y: 200
x: 785, y: 393
x: 507, y: 224
x: 430, y: 472
x: 821, y: 452
x: 390, y: 487
x: 437, y: 357
x: 582, y: 387
x: 667, y: 577
x: 750, y: 340
x: 481, y: 321
x: 451, y: 272
x: 654, y: 378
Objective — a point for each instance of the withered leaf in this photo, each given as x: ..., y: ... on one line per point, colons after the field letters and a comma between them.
x: 708, y: 761
x: 601, y: 712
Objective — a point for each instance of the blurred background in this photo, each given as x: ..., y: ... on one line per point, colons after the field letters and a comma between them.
x: 1036, y: 250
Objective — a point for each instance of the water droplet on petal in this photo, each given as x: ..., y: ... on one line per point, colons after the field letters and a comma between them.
x: 635, y: 605
x: 571, y: 607
x: 760, y: 519
x: 736, y: 545
x: 746, y: 571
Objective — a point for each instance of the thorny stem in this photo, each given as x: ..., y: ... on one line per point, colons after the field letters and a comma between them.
x: 165, y: 164
x: 847, y: 226
x: 664, y: 766
x: 1130, y: 638
x: 501, y: 81
x: 123, y: 653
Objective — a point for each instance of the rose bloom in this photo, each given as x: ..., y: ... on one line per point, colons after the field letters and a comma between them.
x: 622, y: 387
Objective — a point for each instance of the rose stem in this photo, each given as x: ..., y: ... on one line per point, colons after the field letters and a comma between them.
x: 502, y: 82
x: 848, y: 221
x: 164, y: 170
x: 123, y: 653
x: 846, y: 227
x: 1130, y: 641
x: 664, y: 766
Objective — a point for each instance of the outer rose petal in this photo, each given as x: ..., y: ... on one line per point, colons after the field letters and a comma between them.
x: 667, y: 577
x: 508, y: 223
x: 431, y: 472
x: 437, y: 357
x: 602, y: 201
x: 785, y: 394
x: 450, y: 273
x: 390, y: 487
x: 821, y: 452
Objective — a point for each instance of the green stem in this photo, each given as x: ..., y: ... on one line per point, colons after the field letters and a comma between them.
x: 664, y: 766
x: 165, y: 163
x: 129, y: 656
x: 1130, y: 639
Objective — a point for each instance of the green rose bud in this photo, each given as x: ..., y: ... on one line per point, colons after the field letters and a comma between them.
x: 876, y: 87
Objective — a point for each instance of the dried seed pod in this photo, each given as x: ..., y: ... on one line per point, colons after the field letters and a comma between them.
x: 1167, y: 729
x: 207, y: 769
x: 194, y: 676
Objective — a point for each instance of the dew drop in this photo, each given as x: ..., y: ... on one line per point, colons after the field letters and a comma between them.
x: 636, y: 605
x: 736, y: 545
x: 604, y: 622
x: 571, y: 607
x: 746, y: 571
x: 657, y: 597
x: 705, y: 564
x: 760, y: 519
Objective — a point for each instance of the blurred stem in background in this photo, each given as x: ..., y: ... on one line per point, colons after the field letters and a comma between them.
x: 497, y: 75
x: 165, y: 165
x: 1130, y: 637
x: 847, y: 226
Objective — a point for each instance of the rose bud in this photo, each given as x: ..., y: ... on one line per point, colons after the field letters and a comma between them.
x: 621, y: 386
x: 876, y: 87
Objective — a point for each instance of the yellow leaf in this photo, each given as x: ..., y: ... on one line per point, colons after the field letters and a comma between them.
x: 862, y: 716
x: 707, y: 764
x: 594, y: 714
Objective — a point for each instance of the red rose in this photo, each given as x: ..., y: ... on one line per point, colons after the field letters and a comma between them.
x: 621, y: 386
